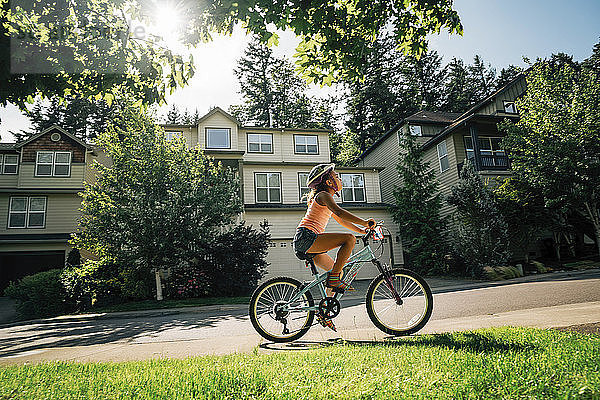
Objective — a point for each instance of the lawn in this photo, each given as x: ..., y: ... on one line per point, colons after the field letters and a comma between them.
x: 493, y: 363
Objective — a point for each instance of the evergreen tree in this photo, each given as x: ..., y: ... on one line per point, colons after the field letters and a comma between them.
x: 482, y: 233
x: 482, y: 79
x: 458, y: 96
x: 593, y: 61
x: 173, y: 115
x: 81, y: 117
x: 507, y: 74
x: 417, y: 211
x: 425, y: 78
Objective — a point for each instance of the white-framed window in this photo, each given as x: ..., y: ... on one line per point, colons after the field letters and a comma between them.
x: 218, y: 138
x: 9, y: 164
x: 306, y: 144
x: 302, y: 188
x: 53, y: 163
x: 510, y: 107
x: 260, y: 143
x: 268, y: 187
x: 443, y: 156
x: 27, y: 212
x: 353, y: 188
x: 415, y: 130
x: 469, y: 147
x: 171, y: 135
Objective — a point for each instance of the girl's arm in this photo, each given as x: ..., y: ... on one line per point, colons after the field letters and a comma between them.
x: 348, y: 225
x: 326, y: 199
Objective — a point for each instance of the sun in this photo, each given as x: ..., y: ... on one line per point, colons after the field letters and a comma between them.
x: 168, y: 22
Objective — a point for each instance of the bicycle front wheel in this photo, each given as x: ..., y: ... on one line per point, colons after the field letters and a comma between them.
x: 404, y: 316
x: 273, y: 315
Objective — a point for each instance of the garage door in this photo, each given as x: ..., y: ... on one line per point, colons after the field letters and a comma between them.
x: 283, y: 262
x: 15, y: 265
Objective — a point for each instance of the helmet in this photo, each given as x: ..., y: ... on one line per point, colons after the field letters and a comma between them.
x: 317, y: 174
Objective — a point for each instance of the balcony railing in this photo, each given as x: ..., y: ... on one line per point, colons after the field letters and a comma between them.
x: 494, y: 162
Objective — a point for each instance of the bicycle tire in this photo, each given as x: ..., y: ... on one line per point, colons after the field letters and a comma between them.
x: 252, y: 310
x: 372, y: 312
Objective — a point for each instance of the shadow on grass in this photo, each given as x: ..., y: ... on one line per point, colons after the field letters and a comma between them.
x: 472, y: 342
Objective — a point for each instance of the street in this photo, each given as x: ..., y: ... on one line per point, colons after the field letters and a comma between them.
x: 555, y: 300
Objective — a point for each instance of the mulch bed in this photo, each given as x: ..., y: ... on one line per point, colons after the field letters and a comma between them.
x: 593, y: 328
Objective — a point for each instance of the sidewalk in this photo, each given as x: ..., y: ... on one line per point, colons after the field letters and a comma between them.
x: 438, y: 285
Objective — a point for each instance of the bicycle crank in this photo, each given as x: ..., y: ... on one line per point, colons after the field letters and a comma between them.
x: 329, y: 307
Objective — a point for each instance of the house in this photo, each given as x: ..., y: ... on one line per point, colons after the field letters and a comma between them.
x: 449, y: 139
x: 41, y: 178
x: 273, y: 164
x: 39, y: 182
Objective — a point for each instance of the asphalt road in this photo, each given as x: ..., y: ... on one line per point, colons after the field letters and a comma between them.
x: 549, y: 301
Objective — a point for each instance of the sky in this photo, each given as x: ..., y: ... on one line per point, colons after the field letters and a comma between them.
x: 501, y: 32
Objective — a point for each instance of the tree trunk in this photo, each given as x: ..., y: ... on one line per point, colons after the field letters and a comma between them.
x: 571, y: 243
x: 556, y: 244
x: 592, y: 210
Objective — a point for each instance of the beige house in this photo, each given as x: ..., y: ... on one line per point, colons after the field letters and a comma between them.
x: 41, y: 177
x: 39, y: 182
x: 448, y: 139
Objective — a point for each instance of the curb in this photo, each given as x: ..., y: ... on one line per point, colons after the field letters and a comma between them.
x: 236, y: 307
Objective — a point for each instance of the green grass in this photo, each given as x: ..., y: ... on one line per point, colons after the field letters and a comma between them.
x: 504, y: 363
x: 154, y: 304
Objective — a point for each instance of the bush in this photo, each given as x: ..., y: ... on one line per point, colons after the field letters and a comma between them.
x: 187, y: 282
x: 41, y: 295
x: 97, y: 283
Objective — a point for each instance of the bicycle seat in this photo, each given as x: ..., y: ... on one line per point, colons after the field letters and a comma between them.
x: 307, y: 256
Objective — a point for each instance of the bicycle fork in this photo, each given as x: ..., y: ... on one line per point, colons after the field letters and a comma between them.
x: 389, y: 281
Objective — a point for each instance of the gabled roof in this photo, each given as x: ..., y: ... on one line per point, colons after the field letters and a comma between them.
x: 219, y: 110
x: 428, y: 117
x: 471, y: 112
x: 49, y: 129
x: 7, y: 146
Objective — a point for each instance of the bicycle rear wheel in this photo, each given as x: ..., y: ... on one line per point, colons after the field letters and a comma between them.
x: 399, y: 317
x: 270, y: 316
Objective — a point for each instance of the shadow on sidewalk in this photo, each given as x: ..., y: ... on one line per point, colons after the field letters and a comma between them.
x: 467, y: 341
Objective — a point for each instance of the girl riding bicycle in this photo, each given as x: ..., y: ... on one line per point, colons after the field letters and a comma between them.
x: 310, y: 237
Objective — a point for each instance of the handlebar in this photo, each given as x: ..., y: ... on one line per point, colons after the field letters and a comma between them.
x: 369, y: 232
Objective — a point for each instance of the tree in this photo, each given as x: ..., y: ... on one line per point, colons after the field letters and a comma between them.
x: 556, y: 143
x: 482, y: 233
x: 157, y: 205
x: 457, y: 94
x: 524, y: 211
x: 425, y: 77
x: 507, y: 74
x: 417, y: 211
x: 593, y: 61
x: 274, y: 95
x: 104, y: 59
x: 482, y: 78
x: 173, y: 115
x: 82, y: 117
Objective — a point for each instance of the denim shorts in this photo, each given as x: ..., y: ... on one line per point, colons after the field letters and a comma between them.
x: 303, y: 239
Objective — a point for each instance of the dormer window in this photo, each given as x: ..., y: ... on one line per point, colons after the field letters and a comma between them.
x: 53, y: 163
x: 218, y: 138
x: 9, y: 163
x: 171, y: 135
x: 509, y: 107
x: 415, y: 130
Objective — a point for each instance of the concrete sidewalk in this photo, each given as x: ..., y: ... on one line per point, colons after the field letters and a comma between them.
x: 438, y: 285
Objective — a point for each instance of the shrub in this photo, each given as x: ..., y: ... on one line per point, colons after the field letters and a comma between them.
x: 74, y: 257
x: 40, y: 295
x: 186, y: 282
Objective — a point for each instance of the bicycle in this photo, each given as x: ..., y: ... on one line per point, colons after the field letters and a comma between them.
x: 399, y: 301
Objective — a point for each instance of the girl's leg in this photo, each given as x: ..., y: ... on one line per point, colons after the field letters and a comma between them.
x: 328, y: 241
x: 325, y: 262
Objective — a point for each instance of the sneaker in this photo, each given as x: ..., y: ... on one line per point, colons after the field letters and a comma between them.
x: 334, y: 281
x: 326, y: 322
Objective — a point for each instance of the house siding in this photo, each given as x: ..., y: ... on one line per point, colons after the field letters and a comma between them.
x: 62, y: 215
x: 28, y: 180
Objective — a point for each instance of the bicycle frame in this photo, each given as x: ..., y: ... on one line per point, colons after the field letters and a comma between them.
x: 319, y: 279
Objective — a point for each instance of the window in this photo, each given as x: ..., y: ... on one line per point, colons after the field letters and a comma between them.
x: 27, y: 212
x: 50, y: 163
x: 353, y: 187
x: 509, y: 107
x: 268, y: 187
x: 218, y: 138
x: 303, y: 189
x: 170, y: 135
x: 415, y: 130
x: 306, y: 144
x: 260, y: 143
x: 469, y: 147
x: 8, y: 163
x: 443, y: 156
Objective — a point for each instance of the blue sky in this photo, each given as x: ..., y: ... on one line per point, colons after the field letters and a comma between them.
x: 502, y: 32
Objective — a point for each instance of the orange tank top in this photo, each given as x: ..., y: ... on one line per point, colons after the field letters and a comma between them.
x: 316, y: 217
